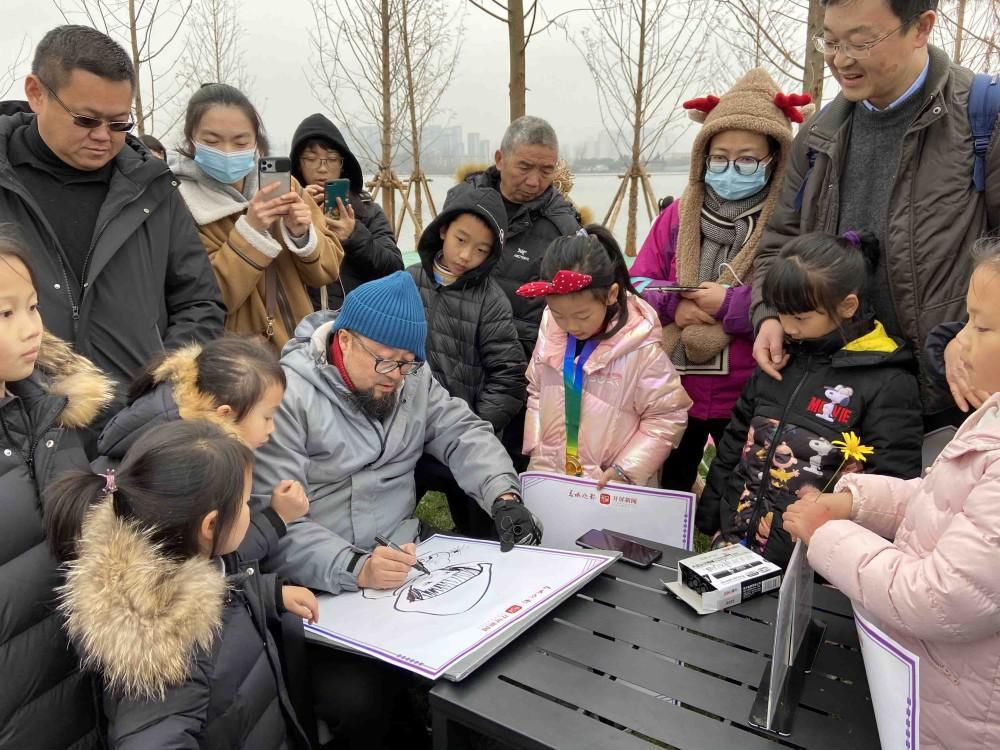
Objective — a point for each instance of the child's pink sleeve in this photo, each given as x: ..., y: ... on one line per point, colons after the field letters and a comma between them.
x: 950, y: 593
x: 532, y: 417
x: 662, y: 403
x: 879, y: 501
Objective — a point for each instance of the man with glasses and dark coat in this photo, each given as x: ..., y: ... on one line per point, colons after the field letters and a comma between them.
x: 359, y: 411
x: 121, y: 272
x: 891, y: 154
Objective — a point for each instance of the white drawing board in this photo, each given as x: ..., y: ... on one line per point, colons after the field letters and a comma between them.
x: 475, y: 600
x: 568, y: 507
x: 894, y: 681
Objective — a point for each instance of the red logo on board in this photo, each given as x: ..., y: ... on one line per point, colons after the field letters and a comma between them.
x: 605, y: 499
x: 513, y: 608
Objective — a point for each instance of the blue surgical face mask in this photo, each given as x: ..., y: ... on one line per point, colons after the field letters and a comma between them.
x: 733, y: 186
x: 225, y: 166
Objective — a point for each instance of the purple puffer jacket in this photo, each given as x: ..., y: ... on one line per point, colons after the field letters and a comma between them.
x: 713, y: 395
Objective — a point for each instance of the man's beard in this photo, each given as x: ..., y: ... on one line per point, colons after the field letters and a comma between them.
x: 375, y: 408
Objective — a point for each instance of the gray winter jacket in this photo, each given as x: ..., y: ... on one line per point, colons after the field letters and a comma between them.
x: 358, y: 474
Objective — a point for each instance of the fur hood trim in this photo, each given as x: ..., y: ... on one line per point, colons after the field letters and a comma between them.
x: 180, y: 370
x: 75, y: 378
x: 137, y: 616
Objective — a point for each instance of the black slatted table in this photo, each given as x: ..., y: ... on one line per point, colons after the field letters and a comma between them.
x: 624, y: 665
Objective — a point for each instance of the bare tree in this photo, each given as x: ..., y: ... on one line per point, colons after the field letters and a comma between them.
x: 644, y: 57
x: 10, y: 74
x: 969, y: 30
x: 213, y: 45
x: 777, y: 36
x: 430, y: 39
x: 358, y: 74
x: 147, y: 30
x: 513, y: 14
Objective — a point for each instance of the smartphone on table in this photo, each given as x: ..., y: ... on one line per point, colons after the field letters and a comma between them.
x: 275, y: 169
x: 336, y: 189
x: 632, y: 552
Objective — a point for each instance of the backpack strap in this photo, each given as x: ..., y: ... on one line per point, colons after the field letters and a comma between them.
x: 811, y: 156
x: 984, y: 108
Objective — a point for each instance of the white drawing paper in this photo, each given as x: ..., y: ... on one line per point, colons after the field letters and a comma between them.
x: 570, y: 506
x: 894, y: 682
x: 474, y: 595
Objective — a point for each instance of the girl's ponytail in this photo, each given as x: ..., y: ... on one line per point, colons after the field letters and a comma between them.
x: 867, y: 244
x: 66, y: 503
x: 614, y: 252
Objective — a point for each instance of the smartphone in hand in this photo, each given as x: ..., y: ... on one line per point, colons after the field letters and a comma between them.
x: 275, y: 169
x: 336, y: 189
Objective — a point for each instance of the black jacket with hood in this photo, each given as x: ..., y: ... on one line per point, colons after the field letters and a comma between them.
x: 45, y: 700
x: 867, y: 386
x: 184, y: 651
x: 472, y: 344
x: 530, y: 230
x: 148, y: 284
x: 370, y: 252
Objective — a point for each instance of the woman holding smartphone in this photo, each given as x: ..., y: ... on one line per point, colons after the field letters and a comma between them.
x: 266, y: 244
x: 320, y: 157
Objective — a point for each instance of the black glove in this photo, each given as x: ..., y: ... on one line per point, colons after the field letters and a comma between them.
x: 515, y: 524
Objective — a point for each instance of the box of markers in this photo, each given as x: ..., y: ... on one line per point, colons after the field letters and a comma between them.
x: 723, y: 577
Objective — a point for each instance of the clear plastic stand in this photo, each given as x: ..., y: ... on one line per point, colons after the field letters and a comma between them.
x: 797, y: 637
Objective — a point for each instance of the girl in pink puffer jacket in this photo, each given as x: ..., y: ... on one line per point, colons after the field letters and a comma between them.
x: 934, y: 587
x: 604, y: 401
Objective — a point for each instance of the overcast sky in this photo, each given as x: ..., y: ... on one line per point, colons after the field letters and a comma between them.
x: 277, y: 54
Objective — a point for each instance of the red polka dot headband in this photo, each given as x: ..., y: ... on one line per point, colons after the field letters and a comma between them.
x: 564, y: 282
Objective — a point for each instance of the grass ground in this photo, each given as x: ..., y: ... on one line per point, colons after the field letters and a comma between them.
x: 433, y: 508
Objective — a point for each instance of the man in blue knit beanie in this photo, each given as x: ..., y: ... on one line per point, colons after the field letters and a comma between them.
x: 359, y: 411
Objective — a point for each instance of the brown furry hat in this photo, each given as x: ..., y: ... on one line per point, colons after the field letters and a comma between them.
x: 754, y: 103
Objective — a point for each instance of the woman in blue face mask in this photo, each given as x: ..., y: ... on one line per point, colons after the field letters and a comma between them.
x: 265, y: 247
x: 707, y: 240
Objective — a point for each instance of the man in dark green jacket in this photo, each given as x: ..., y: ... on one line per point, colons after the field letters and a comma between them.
x: 891, y: 154
x: 121, y: 272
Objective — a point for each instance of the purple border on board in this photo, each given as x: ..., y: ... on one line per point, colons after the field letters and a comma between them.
x: 631, y: 489
x: 894, y: 650
x: 414, y: 665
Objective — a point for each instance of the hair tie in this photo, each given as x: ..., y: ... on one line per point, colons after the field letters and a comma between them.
x: 564, y: 282
x: 852, y: 237
x: 110, y: 487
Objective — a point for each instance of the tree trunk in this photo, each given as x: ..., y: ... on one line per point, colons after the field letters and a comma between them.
x: 812, y: 77
x: 518, y: 83
x: 388, y: 204
x: 416, y: 178
x: 959, y: 32
x: 140, y: 115
x: 634, y: 170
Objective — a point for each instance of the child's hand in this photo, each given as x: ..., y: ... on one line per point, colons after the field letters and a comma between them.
x: 709, y: 298
x: 688, y: 314
x: 301, y: 601
x: 289, y: 500
x: 803, y: 518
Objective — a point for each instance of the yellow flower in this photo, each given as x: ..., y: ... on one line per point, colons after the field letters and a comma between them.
x: 851, y: 447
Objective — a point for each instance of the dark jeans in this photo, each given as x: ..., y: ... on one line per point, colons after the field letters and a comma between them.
x: 470, y: 519
x: 368, y: 704
x: 681, y: 467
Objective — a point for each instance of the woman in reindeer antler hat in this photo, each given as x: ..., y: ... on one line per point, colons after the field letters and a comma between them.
x: 707, y: 240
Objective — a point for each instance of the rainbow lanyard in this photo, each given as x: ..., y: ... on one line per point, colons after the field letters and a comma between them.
x: 573, y: 387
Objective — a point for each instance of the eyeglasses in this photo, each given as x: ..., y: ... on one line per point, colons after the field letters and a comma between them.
x: 744, y: 165
x: 854, y: 51
x: 84, y: 121
x: 385, y: 366
x: 322, y: 162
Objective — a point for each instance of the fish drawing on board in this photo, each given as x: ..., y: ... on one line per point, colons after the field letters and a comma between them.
x: 451, y: 589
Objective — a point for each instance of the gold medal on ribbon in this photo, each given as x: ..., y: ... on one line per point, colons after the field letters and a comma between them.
x: 573, y: 466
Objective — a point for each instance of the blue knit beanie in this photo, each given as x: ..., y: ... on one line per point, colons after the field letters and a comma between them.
x: 387, y: 310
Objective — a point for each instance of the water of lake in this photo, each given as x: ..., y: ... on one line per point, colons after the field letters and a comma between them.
x: 594, y: 191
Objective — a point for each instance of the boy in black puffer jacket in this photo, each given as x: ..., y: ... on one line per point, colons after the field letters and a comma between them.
x: 472, y: 344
